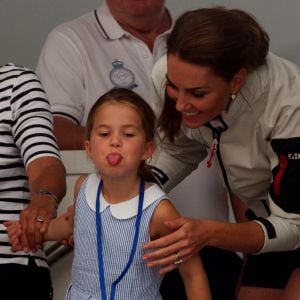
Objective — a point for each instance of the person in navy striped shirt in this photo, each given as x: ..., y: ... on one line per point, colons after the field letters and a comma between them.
x: 32, y: 182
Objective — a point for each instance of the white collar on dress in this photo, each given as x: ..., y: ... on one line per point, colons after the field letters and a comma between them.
x: 126, y: 209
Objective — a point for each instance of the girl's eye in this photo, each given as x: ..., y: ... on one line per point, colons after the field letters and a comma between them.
x: 104, y: 134
x: 129, y: 134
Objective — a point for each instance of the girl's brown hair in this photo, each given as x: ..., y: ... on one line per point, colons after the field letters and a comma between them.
x: 133, y: 100
x: 224, y: 40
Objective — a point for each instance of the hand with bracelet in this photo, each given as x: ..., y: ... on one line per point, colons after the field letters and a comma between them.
x: 35, y: 219
x: 44, y: 201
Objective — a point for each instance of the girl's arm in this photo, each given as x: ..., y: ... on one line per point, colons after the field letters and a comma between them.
x: 70, y: 241
x: 192, y: 271
x: 61, y: 228
x: 195, y: 279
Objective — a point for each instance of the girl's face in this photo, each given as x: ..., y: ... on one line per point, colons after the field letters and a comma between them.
x: 200, y: 95
x: 117, y: 142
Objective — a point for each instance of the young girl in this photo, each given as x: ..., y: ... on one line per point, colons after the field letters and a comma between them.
x: 120, y: 208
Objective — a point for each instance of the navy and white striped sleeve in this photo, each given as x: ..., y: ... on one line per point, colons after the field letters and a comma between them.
x: 32, y: 123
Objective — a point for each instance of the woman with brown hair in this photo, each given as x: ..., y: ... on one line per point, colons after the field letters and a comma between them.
x: 219, y: 88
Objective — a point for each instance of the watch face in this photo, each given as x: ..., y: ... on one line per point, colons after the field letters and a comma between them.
x: 122, y: 77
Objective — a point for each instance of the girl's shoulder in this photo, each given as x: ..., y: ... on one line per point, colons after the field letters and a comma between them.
x: 78, y: 184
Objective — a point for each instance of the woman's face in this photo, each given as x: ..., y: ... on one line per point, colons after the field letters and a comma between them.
x: 199, y: 94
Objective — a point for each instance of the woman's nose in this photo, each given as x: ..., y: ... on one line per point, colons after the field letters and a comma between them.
x: 181, y: 102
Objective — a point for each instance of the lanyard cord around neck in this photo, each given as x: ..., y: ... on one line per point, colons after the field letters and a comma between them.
x: 99, y: 242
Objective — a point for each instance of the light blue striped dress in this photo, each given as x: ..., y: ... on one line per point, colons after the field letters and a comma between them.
x: 118, y: 225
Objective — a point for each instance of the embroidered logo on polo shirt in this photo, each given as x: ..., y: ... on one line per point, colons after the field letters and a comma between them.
x: 122, y: 77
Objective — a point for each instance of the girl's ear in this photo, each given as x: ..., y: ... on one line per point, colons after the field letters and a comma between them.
x: 87, y: 147
x: 149, y: 150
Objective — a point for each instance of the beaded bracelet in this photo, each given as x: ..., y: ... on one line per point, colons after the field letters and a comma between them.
x: 46, y: 192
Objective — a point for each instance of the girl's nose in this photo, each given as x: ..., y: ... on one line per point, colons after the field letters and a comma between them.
x: 115, y: 141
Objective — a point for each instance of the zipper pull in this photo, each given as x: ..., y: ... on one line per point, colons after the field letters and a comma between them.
x: 213, y: 150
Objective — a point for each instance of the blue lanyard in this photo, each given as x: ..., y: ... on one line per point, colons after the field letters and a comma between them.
x: 99, y: 242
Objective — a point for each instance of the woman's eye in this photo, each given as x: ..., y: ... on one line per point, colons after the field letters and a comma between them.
x: 172, y: 91
x: 170, y: 85
x: 198, y: 94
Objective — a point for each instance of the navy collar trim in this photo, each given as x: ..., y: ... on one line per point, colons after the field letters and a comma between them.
x: 100, y: 25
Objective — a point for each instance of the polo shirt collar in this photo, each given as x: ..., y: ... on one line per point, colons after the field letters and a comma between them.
x: 109, y: 27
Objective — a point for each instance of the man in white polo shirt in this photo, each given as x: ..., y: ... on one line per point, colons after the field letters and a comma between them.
x: 84, y: 58
x: 117, y: 46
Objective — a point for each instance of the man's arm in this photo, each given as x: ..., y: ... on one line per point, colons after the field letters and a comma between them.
x: 69, y: 135
x: 60, y: 71
x: 59, y: 229
x: 47, y: 184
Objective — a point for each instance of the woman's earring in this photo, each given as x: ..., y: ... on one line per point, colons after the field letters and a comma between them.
x: 232, y: 97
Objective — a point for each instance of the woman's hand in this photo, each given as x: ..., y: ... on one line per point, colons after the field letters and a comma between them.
x: 190, y: 235
x: 187, y: 238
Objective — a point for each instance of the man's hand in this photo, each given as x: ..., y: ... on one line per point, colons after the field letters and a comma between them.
x: 34, y: 221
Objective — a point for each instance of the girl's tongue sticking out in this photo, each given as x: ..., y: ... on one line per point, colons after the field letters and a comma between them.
x: 114, y: 159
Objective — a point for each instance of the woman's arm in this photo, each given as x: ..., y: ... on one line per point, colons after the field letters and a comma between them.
x: 239, y: 208
x: 190, y: 235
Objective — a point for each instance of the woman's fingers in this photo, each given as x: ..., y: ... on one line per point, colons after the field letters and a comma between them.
x: 180, y: 244
x: 170, y: 238
x: 173, y: 265
x: 168, y: 255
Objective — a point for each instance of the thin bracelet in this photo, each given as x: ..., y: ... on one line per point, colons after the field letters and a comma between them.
x: 51, y: 194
